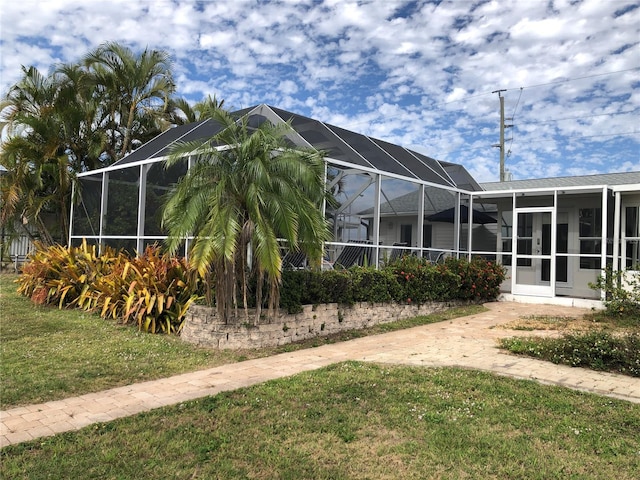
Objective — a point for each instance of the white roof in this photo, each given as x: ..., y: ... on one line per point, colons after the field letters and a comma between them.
x: 610, y: 179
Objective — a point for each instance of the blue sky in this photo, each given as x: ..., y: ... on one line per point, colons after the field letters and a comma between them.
x: 419, y: 74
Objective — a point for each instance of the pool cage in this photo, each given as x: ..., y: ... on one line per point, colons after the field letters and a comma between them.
x: 378, y: 187
x: 554, y: 237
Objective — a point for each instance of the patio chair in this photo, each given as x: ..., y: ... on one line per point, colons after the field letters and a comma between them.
x: 294, y: 261
x: 398, y: 253
x: 358, y: 254
x: 436, y: 256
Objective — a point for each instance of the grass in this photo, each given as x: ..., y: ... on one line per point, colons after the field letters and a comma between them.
x: 49, y: 354
x: 597, y: 341
x: 356, y: 421
x: 597, y: 320
x: 349, y: 420
x: 597, y: 350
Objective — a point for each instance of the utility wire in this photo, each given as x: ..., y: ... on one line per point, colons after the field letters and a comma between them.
x: 513, y: 117
x: 576, y: 78
x: 510, y: 89
x: 462, y: 132
x: 556, y: 82
x: 538, y: 122
x: 543, y: 139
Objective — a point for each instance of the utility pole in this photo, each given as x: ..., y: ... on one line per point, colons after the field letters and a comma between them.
x: 502, y: 127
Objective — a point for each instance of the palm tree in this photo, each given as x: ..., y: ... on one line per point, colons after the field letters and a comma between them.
x: 79, y: 117
x: 246, y: 190
x: 38, y: 180
x: 135, y: 91
x: 80, y: 114
x: 181, y: 112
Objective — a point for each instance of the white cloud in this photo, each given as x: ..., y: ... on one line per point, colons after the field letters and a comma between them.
x: 422, y: 78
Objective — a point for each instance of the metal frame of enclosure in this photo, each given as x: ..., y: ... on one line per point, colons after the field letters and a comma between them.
x: 390, y: 200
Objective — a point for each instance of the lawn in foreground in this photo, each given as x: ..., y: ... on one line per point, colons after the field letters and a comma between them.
x: 48, y: 354
x: 355, y: 420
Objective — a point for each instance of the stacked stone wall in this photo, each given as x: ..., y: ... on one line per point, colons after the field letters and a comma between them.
x: 202, y: 326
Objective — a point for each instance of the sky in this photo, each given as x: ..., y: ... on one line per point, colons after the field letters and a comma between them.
x: 421, y: 74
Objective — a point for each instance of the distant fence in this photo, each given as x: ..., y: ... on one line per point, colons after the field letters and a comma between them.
x: 15, y: 250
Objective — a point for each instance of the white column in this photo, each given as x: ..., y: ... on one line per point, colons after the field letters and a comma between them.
x: 376, y: 220
x: 617, y: 215
x: 469, y: 227
x: 603, y: 238
x: 421, y: 218
x: 73, y: 195
x: 104, y: 199
x: 142, y: 200
x: 554, y: 246
x: 456, y: 226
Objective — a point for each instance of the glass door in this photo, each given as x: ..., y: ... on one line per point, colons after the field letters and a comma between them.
x: 534, y: 246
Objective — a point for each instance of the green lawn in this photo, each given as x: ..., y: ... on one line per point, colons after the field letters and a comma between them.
x: 49, y: 354
x: 349, y: 420
x: 357, y: 421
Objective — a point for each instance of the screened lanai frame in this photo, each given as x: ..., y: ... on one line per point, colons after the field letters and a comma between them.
x: 121, y: 209
x: 363, y: 164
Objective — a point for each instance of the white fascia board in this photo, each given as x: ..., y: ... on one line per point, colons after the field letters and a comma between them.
x: 395, y: 176
x: 114, y: 167
x: 539, y: 191
x: 631, y: 187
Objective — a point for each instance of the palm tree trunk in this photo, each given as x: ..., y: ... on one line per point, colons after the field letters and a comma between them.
x: 259, y: 283
x: 127, y: 131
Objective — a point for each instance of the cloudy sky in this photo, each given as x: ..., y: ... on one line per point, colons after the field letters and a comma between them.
x: 417, y: 73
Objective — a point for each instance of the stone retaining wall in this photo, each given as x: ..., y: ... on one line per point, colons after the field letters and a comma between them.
x: 202, y: 327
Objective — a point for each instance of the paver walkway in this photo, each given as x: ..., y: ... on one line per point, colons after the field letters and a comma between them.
x: 465, y: 342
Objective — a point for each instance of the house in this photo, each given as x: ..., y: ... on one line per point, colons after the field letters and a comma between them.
x: 557, y: 234
x: 553, y: 235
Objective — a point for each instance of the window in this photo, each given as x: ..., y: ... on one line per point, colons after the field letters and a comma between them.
x: 405, y: 234
x: 427, y: 236
x: 507, y: 232
x: 524, y: 238
x: 590, y: 236
x: 632, y: 237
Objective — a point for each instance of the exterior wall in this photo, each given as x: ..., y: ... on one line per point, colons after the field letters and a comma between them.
x: 629, y: 200
x: 203, y: 328
x: 442, y: 234
x: 578, y: 278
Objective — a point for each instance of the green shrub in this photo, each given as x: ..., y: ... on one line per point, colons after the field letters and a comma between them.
x: 477, y: 280
x: 60, y: 275
x: 337, y: 287
x: 310, y: 287
x: 291, y: 291
x: 597, y: 350
x: 622, y: 292
x: 374, y: 286
x: 408, y: 280
x: 152, y: 290
x: 421, y: 281
x: 480, y: 279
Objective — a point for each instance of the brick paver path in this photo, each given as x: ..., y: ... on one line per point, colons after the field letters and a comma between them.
x: 468, y: 342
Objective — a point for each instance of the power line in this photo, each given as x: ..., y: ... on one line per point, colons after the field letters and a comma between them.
x: 577, y: 78
x: 538, y: 122
x: 587, y: 136
x: 566, y: 80
x: 513, y: 116
x: 350, y: 125
x: 542, y: 139
x: 462, y: 132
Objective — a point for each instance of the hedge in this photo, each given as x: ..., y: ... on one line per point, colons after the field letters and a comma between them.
x: 154, y: 291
